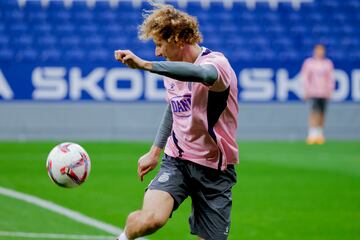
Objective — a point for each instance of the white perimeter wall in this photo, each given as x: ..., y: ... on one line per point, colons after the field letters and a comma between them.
x: 134, y: 121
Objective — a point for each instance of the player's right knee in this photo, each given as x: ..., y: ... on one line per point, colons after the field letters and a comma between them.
x: 150, y: 221
x: 153, y: 221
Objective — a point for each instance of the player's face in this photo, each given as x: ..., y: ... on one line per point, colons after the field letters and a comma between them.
x: 170, y: 51
x: 319, y: 51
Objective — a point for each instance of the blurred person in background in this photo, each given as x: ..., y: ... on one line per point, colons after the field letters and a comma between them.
x: 318, y: 78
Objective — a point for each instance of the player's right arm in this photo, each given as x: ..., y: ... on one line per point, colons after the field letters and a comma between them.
x: 149, y: 161
x: 305, y: 78
x: 182, y: 71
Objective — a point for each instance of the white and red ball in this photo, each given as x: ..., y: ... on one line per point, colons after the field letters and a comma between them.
x: 68, y: 165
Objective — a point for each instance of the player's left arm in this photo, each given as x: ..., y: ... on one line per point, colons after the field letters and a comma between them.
x: 182, y: 71
x: 331, y: 79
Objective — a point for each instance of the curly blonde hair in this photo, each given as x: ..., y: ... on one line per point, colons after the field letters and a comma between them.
x: 164, y: 22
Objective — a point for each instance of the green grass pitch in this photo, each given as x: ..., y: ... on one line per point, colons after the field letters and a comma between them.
x: 284, y: 191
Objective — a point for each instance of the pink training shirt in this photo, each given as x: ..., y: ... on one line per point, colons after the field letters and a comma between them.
x: 205, y: 117
x: 318, y: 77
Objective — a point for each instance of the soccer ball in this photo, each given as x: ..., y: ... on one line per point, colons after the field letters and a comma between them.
x: 68, y: 165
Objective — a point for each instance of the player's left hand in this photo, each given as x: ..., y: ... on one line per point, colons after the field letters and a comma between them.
x: 129, y: 59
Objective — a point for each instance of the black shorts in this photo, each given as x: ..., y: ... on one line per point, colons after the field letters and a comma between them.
x: 318, y: 105
x: 210, y: 192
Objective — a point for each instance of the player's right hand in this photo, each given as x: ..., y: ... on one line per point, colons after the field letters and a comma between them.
x: 148, y: 161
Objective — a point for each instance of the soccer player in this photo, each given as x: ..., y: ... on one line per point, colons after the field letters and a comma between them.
x: 318, y: 76
x: 198, y: 129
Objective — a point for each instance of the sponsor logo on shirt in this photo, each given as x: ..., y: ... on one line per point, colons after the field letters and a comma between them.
x: 181, y: 105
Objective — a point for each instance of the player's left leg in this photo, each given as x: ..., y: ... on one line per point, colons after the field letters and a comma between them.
x: 211, y: 202
x: 321, y: 121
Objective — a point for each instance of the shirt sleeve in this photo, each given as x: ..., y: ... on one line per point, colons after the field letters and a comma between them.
x: 185, y: 71
x: 165, y: 128
x: 223, y: 68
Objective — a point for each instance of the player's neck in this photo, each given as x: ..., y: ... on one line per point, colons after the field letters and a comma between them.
x: 191, y: 53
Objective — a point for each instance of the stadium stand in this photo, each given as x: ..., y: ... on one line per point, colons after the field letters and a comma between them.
x: 90, y: 30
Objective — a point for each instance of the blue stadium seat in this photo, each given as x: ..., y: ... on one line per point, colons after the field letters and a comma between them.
x: 56, y: 6
x: 251, y: 28
x: 106, y: 17
x: 37, y: 17
x: 261, y: 8
x: 239, y: 7
x: 93, y: 41
x: 194, y: 8
x: 82, y: 17
x: 4, y: 41
x: 75, y: 54
x: 245, y: 16
x: 8, y: 4
x: 299, y: 29
x: 352, y: 42
x: 147, y: 53
x: 79, y: 6
x: 41, y: 28
x: 348, y: 29
x: 289, y: 55
x: 70, y: 41
x: 22, y: 41
x: 275, y: 29
x: 14, y: 15
x: 87, y: 28
x: 117, y: 42
x: 18, y: 28
x: 51, y: 54
x: 112, y: 29
x: 285, y: 8
x: 354, y: 55
x: 321, y: 29
x: 27, y: 54
x: 102, y: 6
x: 33, y: 6
x: 125, y: 6
x: 228, y: 28
x: 99, y: 54
x: 353, y: 3
x: 58, y: 17
x: 46, y: 41
x: 242, y: 54
x: 64, y: 29
x: 6, y: 55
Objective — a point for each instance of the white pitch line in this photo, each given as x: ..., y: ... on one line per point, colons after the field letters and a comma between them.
x: 53, y: 236
x: 76, y: 216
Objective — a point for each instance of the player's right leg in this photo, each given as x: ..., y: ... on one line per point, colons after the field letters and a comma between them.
x: 165, y: 193
x: 156, y: 210
x: 314, y: 121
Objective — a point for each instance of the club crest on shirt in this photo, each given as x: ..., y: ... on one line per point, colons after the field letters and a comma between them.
x: 164, y: 177
x: 171, y: 87
x: 181, y: 105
